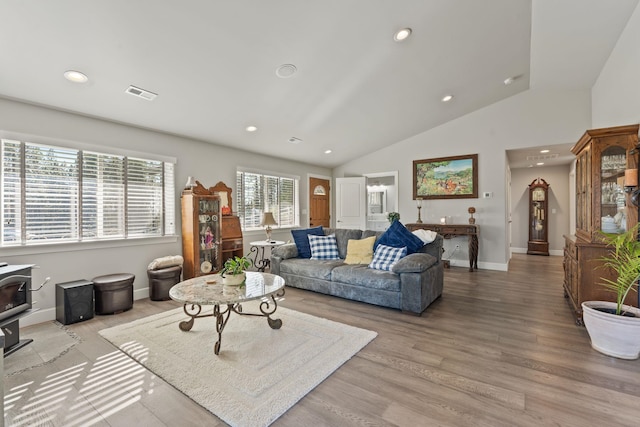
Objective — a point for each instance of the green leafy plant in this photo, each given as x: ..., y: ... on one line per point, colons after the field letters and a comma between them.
x: 625, y: 261
x: 236, y: 265
x: 393, y: 216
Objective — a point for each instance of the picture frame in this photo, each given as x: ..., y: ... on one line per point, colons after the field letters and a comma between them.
x: 454, y: 177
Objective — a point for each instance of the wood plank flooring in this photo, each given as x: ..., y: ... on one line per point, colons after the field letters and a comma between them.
x: 498, y: 349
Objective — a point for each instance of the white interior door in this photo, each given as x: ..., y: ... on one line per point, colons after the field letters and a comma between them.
x: 351, y: 202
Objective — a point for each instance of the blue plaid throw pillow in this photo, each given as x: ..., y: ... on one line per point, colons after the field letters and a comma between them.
x: 323, y: 247
x: 385, y: 257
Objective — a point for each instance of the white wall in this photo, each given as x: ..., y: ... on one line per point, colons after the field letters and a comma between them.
x: 616, y: 93
x: 208, y: 163
x: 528, y: 119
x: 558, y: 179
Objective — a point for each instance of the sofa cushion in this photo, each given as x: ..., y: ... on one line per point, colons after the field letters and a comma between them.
x: 323, y: 247
x: 315, y: 269
x: 385, y: 257
x: 398, y: 236
x: 360, y: 275
x: 369, y: 233
x: 301, y: 239
x: 342, y: 237
x: 414, y: 263
x: 360, y: 251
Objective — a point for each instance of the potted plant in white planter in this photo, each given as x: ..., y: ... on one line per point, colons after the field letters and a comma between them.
x: 232, y: 272
x: 614, y: 328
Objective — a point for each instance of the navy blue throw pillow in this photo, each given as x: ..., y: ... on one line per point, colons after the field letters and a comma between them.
x: 398, y: 236
x: 302, y: 241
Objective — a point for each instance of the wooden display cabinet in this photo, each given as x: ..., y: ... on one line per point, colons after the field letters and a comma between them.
x: 538, y: 218
x: 201, y: 232
x: 603, y: 155
x: 232, y: 243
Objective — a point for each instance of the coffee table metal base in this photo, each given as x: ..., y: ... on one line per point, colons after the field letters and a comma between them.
x: 267, y: 308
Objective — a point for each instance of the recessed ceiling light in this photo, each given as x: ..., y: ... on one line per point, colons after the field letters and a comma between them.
x: 508, y: 81
x: 544, y: 151
x: 251, y: 128
x: 327, y: 151
x: 286, y: 70
x: 447, y: 98
x: 402, y: 34
x: 539, y: 163
x: 295, y: 140
x: 75, y: 76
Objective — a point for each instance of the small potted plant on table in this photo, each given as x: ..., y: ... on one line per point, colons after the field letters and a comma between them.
x: 614, y: 328
x: 233, y: 271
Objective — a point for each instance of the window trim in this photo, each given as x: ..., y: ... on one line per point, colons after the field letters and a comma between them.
x: 27, y: 248
x: 84, y: 146
x: 263, y: 172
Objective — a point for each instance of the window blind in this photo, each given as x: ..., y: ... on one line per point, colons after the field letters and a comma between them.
x: 53, y: 194
x: 257, y: 193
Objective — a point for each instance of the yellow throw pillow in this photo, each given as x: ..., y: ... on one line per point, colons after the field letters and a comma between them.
x: 360, y: 251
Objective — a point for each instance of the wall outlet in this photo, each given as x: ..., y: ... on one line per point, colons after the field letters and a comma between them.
x: 486, y: 194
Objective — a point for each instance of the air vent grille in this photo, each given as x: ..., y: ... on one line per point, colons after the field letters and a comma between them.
x: 141, y: 93
x: 542, y: 157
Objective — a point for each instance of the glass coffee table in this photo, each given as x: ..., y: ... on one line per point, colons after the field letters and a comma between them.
x: 209, y: 290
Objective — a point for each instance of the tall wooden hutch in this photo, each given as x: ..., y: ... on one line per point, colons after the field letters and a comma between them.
x: 201, y: 219
x: 602, y: 205
x: 232, y: 243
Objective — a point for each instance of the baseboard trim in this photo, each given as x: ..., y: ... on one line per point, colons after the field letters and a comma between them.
x: 48, y: 314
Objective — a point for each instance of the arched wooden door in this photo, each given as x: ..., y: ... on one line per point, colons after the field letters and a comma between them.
x: 319, y: 196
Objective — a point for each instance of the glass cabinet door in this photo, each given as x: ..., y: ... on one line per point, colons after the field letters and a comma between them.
x: 208, y: 220
x: 613, y: 162
x: 538, y: 222
x: 538, y: 219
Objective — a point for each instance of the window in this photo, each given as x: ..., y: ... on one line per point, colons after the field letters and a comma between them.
x: 54, y: 194
x: 259, y: 192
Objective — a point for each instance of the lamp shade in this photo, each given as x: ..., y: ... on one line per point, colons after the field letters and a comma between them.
x: 191, y: 182
x: 268, y: 219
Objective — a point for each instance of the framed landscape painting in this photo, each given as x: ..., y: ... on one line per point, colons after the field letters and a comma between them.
x: 446, y: 178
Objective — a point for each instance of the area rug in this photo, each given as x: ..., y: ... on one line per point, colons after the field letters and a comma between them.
x: 50, y: 341
x: 260, y: 372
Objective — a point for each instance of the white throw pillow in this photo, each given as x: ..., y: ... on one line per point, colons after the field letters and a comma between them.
x: 427, y: 236
x: 167, y: 261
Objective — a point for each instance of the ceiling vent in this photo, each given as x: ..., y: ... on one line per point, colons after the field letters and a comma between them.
x: 141, y: 93
x: 542, y: 157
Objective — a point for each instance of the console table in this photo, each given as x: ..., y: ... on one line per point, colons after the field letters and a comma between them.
x: 453, y: 230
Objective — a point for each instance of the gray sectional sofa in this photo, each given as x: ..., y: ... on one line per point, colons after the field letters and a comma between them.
x: 414, y: 282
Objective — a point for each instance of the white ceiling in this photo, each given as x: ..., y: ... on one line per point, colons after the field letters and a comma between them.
x: 212, y: 64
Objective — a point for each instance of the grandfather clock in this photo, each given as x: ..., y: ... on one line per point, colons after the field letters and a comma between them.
x: 538, y: 225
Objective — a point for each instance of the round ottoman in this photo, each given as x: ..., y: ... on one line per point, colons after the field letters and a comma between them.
x: 113, y: 292
x: 161, y: 280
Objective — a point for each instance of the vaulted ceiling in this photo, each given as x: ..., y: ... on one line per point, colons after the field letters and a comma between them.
x: 212, y: 64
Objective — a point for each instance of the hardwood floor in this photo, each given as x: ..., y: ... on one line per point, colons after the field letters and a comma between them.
x: 498, y: 349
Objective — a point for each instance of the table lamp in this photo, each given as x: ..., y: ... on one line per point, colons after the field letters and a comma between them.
x: 268, y: 220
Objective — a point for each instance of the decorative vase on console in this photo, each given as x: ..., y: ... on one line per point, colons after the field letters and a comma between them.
x: 471, y: 211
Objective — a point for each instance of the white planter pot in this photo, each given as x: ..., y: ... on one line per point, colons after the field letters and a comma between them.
x: 234, y: 280
x: 617, y: 336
